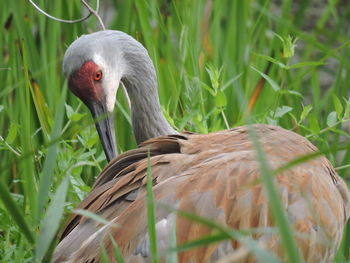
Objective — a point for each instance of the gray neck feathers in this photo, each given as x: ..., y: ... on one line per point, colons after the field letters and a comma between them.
x: 140, y: 82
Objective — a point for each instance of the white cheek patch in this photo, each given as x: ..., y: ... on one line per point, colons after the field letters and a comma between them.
x: 110, y: 80
x: 110, y: 87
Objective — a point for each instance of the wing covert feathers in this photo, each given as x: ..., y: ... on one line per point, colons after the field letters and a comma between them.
x: 215, y: 176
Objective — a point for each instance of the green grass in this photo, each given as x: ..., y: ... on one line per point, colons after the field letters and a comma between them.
x: 209, y: 57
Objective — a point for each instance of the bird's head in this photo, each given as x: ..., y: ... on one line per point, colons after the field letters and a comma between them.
x: 93, y: 66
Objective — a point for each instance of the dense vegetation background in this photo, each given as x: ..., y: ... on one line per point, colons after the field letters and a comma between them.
x: 210, y: 58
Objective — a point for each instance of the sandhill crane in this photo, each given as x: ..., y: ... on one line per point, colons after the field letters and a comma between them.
x: 214, y: 175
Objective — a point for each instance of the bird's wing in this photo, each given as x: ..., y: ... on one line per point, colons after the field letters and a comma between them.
x: 118, y: 184
x: 217, y: 176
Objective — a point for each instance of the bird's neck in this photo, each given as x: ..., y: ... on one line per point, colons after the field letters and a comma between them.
x: 147, y: 118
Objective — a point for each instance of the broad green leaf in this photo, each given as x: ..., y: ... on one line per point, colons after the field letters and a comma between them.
x: 281, y: 111
x: 72, y: 115
x: 338, y: 106
x: 220, y: 99
x: 314, y: 126
x: 332, y: 119
x: 76, y: 116
x: 306, y: 110
x: 271, y: 121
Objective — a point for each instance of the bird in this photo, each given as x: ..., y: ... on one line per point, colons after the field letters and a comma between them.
x: 215, y: 175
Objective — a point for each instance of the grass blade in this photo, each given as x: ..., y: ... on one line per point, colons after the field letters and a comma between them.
x: 27, y: 164
x: 50, y: 223
x: 16, y: 214
x: 151, y: 219
x: 239, y: 235
x: 276, y: 207
x: 92, y: 216
x: 117, y: 252
x: 50, y: 160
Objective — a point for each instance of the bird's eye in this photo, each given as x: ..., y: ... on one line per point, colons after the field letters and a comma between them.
x: 98, y: 75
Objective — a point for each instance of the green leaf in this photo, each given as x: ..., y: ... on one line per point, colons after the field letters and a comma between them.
x: 332, y: 119
x: 205, y: 86
x: 76, y: 116
x: 281, y: 111
x: 12, y: 134
x: 273, y: 84
x: 220, y: 99
x: 338, y: 106
x: 72, y: 115
x: 214, y: 75
x: 1, y: 108
x: 306, y: 110
x: 271, y: 121
x: 314, y: 126
x: 69, y: 110
x: 289, y: 46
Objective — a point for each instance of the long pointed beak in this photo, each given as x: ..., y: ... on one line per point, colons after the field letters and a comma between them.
x: 105, y: 127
